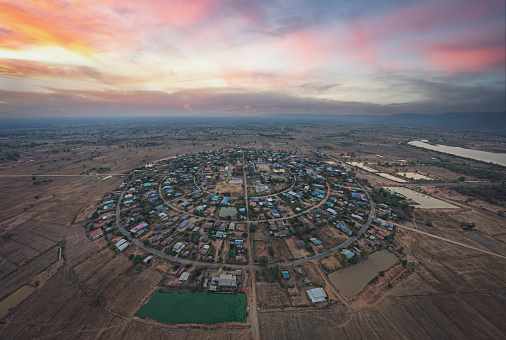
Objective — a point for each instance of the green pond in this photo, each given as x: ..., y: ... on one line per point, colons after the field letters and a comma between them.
x: 195, y: 307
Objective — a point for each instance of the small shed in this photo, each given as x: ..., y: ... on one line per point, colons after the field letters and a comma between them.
x: 184, y: 276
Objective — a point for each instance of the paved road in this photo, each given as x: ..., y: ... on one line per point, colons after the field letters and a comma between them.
x: 162, y: 254
x: 289, y: 263
x: 340, y: 246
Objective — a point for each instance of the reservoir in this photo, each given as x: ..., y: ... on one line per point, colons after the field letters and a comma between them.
x: 424, y: 201
x: 195, y: 307
x: 352, y: 280
x: 484, y: 156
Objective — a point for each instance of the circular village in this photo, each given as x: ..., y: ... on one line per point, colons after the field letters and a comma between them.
x: 218, y: 221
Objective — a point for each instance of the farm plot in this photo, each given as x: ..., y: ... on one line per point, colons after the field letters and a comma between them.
x: 49, y: 230
x: 280, y: 250
x: 92, y: 265
x: 272, y: 295
x: 63, y: 214
x: 78, y: 246
x: 16, y: 252
x: 33, y: 240
x: 27, y: 272
x: 130, y: 299
x: 105, y: 275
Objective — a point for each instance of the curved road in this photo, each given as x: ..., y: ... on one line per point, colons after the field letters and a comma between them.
x: 289, y: 263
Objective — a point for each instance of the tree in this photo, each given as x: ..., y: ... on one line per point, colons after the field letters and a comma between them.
x: 137, y: 259
x: 271, y: 251
x: 263, y: 260
x: 146, y: 241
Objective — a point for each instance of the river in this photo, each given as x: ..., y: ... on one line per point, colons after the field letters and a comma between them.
x: 485, y: 156
x: 195, y: 307
x: 352, y: 280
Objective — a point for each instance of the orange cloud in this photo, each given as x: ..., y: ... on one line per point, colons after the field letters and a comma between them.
x: 37, y: 29
x: 35, y: 69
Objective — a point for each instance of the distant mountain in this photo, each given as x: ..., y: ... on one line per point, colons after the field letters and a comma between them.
x: 480, y: 122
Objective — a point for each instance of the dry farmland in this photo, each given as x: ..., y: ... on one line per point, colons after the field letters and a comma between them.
x: 85, y: 290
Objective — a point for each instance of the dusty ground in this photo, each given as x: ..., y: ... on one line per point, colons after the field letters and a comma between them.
x: 455, y: 292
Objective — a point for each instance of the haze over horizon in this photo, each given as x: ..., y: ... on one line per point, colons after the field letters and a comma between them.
x: 233, y: 58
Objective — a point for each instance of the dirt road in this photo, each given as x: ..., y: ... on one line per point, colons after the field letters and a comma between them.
x: 450, y: 241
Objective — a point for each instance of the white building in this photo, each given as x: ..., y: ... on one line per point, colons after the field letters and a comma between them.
x: 316, y: 295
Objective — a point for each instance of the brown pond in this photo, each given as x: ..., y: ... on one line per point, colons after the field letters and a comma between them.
x: 14, y: 299
x: 352, y: 280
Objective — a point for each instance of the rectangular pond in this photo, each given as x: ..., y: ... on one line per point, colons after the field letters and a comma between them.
x: 227, y: 212
x: 195, y: 307
x: 352, y: 280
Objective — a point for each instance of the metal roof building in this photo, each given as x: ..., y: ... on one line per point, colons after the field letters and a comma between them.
x: 316, y: 295
x: 227, y: 280
x: 184, y: 276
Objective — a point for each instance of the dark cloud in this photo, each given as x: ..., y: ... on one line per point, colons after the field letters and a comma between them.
x: 235, y: 102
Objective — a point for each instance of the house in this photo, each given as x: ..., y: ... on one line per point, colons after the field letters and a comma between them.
x: 316, y: 295
x: 348, y: 253
x: 285, y: 274
x: 184, y: 276
x: 178, y: 247
x: 227, y: 280
x: 315, y: 241
x: 97, y: 233
x: 300, y: 243
x: 205, y: 249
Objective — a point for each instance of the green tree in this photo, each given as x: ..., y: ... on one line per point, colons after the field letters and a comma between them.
x: 137, y: 259
x: 146, y: 241
x: 263, y: 260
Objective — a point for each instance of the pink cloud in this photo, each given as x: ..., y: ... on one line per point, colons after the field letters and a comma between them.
x: 456, y: 60
x: 187, y: 107
x: 238, y: 78
x: 379, y: 38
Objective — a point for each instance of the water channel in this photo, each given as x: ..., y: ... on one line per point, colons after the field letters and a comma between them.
x: 195, y: 307
x: 352, y: 280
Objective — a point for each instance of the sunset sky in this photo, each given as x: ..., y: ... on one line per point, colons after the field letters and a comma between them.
x: 215, y: 57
